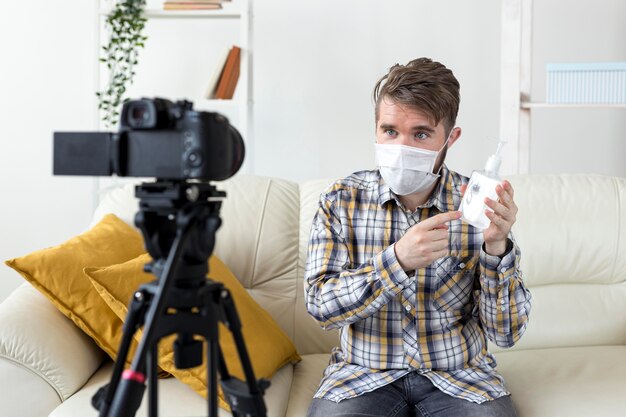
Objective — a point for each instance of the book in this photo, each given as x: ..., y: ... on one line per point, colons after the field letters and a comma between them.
x: 187, y: 6
x: 193, y: 1
x: 217, y: 73
x: 192, y: 4
x: 232, y: 81
x: 228, y: 74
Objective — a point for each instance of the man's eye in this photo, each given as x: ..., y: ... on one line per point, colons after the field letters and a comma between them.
x: 390, y: 132
x: 421, y: 135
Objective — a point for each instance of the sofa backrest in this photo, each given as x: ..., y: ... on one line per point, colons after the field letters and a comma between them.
x: 572, y: 233
x: 259, y: 240
x: 571, y: 230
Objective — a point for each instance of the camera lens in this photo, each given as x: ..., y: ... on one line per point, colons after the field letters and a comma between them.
x: 238, y: 150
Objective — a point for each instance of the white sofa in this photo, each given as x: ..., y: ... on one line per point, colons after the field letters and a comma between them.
x: 570, y: 362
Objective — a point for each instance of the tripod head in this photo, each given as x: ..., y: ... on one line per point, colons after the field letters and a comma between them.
x: 166, y: 208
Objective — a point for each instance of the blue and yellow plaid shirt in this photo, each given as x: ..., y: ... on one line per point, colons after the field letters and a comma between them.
x: 434, y: 320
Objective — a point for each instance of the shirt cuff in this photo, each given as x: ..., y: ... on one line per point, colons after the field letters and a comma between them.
x: 497, y: 267
x: 390, y: 271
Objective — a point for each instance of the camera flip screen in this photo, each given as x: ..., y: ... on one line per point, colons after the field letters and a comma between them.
x: 82, y: 153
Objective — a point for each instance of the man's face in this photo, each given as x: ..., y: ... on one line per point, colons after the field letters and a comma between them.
x: 402, y: 125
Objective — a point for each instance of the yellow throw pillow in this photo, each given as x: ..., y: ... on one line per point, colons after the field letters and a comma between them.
x: 268, y: 346
x: 57, y: 272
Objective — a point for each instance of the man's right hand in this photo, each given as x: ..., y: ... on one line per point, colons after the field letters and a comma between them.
x: 425, y: 242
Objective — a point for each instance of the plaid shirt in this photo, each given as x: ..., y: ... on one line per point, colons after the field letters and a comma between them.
x: 434, y: 321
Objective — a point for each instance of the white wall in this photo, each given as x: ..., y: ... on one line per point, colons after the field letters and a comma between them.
x: 46, y: 84
x: 315, y: 64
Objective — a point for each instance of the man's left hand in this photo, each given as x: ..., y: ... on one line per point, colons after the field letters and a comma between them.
x: 502, y: 219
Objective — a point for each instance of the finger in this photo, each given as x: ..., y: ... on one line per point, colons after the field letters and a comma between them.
x: 509, y: 188
x: 463, y: 188
x: 440, y: 219
x: 441, y: 253
x: 506, y: 200
x: 434, y: 247
x: 504, y: 196
x: 499, y: 208
x: 500, y: 223
x: 511, y: 203
x: 438, y: 234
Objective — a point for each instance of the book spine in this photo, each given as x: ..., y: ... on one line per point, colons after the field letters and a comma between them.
x: 227, y: 74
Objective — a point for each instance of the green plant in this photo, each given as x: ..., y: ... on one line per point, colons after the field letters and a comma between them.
x: 125, y: 22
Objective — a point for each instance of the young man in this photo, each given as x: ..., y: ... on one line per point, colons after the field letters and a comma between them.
x: 414, y: 291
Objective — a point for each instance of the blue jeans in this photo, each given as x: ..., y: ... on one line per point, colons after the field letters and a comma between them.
x: 413, y: 395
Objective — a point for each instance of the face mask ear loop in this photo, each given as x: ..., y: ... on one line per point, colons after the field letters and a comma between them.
x: 444, y: 145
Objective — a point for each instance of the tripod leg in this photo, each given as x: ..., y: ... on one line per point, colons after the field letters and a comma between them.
x: 153, y: 389
x: 230, y: 312
x: 134, y: 320
x: 245, y: 398
x: 212, y: 354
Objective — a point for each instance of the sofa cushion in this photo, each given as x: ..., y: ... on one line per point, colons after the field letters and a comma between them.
x: 175, y: 398
x: 309, y: 336
x: 42, y: 352
x: 258, y: 241
x: 574, y: 315
x: 57, y: 273
x: 268, y: 346
x: 577, y: 381
x: 576, y: 220
x: 307, y: 375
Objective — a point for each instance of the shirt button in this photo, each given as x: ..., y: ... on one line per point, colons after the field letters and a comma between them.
x: 407, y: 307
x: 461, y: 265
x: 503, y: 308
x: 502, y: 301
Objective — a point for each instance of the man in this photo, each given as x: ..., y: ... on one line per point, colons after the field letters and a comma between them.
x: 414, y: 290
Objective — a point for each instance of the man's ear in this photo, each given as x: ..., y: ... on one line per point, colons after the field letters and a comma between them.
x: 455, y: 134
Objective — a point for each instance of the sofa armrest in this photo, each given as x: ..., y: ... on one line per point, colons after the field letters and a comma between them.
x: 43, y: 355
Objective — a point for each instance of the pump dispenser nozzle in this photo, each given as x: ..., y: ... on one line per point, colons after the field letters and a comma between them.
x: 494, y: 161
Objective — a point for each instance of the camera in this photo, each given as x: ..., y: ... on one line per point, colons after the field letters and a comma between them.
x: 157, y: 138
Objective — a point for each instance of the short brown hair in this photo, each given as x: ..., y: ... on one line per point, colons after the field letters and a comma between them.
x: 422, y: 84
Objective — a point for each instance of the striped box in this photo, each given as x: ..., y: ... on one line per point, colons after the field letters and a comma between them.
x: 586, y: 83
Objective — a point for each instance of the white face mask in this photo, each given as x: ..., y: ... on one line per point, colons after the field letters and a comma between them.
x: 407, y: 169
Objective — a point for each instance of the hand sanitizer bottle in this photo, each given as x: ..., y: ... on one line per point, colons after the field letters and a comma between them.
x: 482, y: 184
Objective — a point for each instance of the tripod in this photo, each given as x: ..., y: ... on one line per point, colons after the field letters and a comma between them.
x: 179, y: 221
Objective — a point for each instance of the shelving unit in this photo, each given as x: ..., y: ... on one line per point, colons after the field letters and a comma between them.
x: 530, y: 105
x: 239, y: 109
x: 516, y: 105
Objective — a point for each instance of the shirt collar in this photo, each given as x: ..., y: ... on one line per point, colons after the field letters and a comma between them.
x: 445, y: 196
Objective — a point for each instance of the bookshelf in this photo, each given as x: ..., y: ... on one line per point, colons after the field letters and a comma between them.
x: 206, y: 34
x: 516, y: 106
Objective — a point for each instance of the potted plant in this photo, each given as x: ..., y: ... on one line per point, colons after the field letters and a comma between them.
x: 125, y: 22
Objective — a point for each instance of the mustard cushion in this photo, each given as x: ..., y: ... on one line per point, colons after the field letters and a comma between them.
x: 268, y: 346
x: 57, y: 272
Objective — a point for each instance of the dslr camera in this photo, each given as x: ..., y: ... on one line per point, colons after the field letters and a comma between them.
x: 157, y: 138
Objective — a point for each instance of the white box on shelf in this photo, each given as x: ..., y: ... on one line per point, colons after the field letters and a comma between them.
x: 586, y: 83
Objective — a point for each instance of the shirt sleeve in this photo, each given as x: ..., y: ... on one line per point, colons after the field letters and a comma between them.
x: 504, y: 301
x: 337, y: 295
